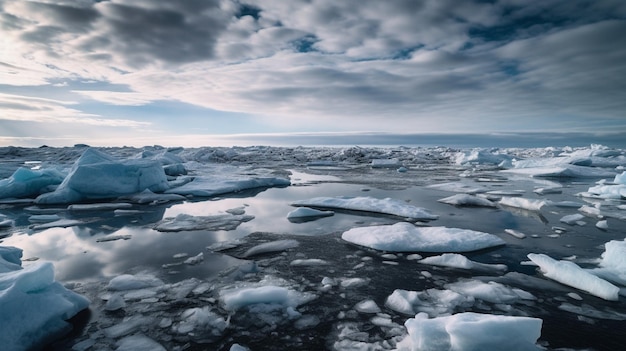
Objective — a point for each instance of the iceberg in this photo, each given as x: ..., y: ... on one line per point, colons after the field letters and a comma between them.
x: 96, y: 175
x: 26, y: 182
x: 569, y: 273
x: 386, y: 206
x: 471, y: 332
x: 405, y: 237
x: 34, y: 307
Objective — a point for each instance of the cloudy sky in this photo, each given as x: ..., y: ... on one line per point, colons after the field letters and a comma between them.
x: 206, y: 72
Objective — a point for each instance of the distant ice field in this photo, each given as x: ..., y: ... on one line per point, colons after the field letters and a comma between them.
x: 163, y: 269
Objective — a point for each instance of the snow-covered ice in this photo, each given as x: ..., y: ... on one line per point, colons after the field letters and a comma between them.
x: 184, y: 221
x: 471, y: 332
x: 569, y: 273
x: 405, y: 237
x: 218, y: 184
x: 369, y: 204
x: 26, y: 182
x: 273, y: 246
x: 453, y: 260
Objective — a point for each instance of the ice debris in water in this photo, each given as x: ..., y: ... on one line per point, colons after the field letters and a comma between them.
x: 138, y: 342
x: 272, y: 246
x: 96, y: 175
x: 617, y: 190
x: 453, y: 260
x: 35, y: 307
x: 302, y: 213
x: 26, y: 182
x: 467, y: 200
x: 613, y: 262
x: 569, y: 273
x: 405, y: 237
x: 218, y: 184
x: 369, y: 204
x: 523, y: 203
x: 185, y: 221
x: 471, y: 332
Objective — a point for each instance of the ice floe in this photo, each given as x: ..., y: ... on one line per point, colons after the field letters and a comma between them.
x: 272, y: 246
x: 35, y: 307
x: 467, y: 200
x: 184, y: 221
x: 218, y: 184
x: 307, y: 214
x: 523, y: 203
x: 569, y: 273
x: 405, y: 237
x: 471, y: 331
x: 387, y: 206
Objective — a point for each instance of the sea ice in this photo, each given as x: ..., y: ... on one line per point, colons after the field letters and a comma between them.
x: 617, y: 190
x: 566, y: 171
x: 467, y: 200
x: 369, y: 204
x: 572, y: 219
x: 235, y: 299
x: 138, y: 342
x: 34, y: 307
x: 61, y: 223
x: 471, y: 332
x: 96, y: 175
x: 571, y: 274
x: 405, y: 237
x: 491, y: 292
x: 184, y: 221
x: 459, y: 261
x: 27, y: 182
x: 386, y: 163
x: 99, y: 206
x: 367, y: 306
x: 149, y: 197
x: 132, y: 282
x: 613, y: 262
x: 481, y: 156
x: 434, y: 302
x: 458, y: 187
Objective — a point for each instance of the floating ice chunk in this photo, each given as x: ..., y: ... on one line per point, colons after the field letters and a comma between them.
x: 175, y: 170
x: 369, y: 204
x: 305, y: 213
x: 307, y: 322
x: 35, y: 307
x: 237, y: 347
x: 99, y: 207
x: 566, y: 171
x: 523, y: 203
x: 571, y: 274
x: 471, y: 332
x: 467, y: 200
x: 353, y: 282
x: 44, y: 218
x: 309, y: 262
x: 367, y: 306
x: 548, y: 190
x: 568, y: 204
x: 195, y: 259
x: 572, y: 219
x: 61, y: 223
x: 138, y: 342
x: 132, y: 282
x: 458, y: 187
x: 405, y: 237
x: 226, y: 183
x: 515, y: 233
x: 273, y: 246
x: 613, y: 262
x: 491, y: 292
x: 459, y: 261
x: 96, y: 175
x: 604, y: 225
x: 115, y: 302
x: 386, y: 163
x: 114, y: 238
x: 235, y: 299
x: 27, y: 182
x: 128, y: 326
x: 6, y: 223
x: 215, y: 222
x: 149, y: 197
x: 589, y: 311
x: 612, y: 191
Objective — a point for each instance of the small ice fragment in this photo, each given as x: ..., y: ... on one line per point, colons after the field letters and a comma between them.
x: 99, y: 207
x: 523, y: 203
x: 467, y: 200
x: 367, y: 306
x: 306, y: 212
x: 42, y: 218
x: 308, y: 321
x: 574, y: 296
x: 237, y: 347
x: 369, y: 204
x: 180, y: 255
x: 413, y: 257
x: 114, y: 303
x: 548, y: 190
x: 572, y: 219
x: 131, y: 282
x: 459, y: 261
x: 602, y: 225
x: 515, y: 233
x: 113, y: 238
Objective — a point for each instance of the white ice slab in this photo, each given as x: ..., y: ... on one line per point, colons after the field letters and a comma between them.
x: 26, y: 182
x: 459, y: 261
x: 405, y: 237
x: 523, y: 203
x: 569, y: 273
x: 568, y: 171
x: 369, y: 204
x: 467, y: 200
x: 305, y: 212
x: 218, y: 184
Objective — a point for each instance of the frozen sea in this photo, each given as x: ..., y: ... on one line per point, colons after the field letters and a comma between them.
x: 216, y: 257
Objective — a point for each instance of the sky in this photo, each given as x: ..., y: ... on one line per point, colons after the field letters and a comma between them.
x: 220, y: 72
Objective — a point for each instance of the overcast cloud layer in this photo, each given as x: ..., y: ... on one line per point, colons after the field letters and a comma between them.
x: 123, y: 70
